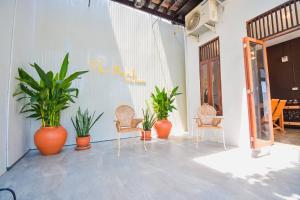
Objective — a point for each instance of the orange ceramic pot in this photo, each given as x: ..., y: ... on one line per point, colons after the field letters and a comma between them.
x: 146, y: 135
x: 163, y: 128
x: 83, y: 141
x: 50, y: 140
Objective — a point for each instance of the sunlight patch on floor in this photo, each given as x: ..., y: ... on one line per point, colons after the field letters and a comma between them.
x: 292, y: 197
x: 239, y: 164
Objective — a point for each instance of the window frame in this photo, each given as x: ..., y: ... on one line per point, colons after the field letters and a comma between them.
x: 208, y: 54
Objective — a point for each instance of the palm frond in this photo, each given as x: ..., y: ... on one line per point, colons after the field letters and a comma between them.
x: 47, y: 97
x: 162, y: 102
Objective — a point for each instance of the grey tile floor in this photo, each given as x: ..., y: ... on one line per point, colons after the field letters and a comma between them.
x: 168, y: 171
x: 291, y: 136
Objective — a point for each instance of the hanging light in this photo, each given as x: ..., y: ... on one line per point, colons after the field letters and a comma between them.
x: 139, y: 3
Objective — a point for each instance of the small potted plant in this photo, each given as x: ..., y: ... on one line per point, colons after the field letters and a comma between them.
x: 83, y: 123
x: 163, y: 104
x: 148, y: 122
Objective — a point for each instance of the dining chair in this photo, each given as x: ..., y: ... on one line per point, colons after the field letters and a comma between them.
x: 278, y: 115
x: 274, y: 104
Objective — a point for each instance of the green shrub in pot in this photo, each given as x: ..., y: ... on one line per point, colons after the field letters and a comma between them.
x: 163, y: 104
x: 45, y: 98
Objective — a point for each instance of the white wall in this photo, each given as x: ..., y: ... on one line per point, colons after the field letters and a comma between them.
x: 117, y: 36
x: 43, y: 31
x: 22, y: 54
x: 6, y: 23
x: 16, y: 48
x: 231, y: 29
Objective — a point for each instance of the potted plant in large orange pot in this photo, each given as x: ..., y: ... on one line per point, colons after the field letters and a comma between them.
x: 83, y: 122
x: 44, y: 100
x: 163, y: 104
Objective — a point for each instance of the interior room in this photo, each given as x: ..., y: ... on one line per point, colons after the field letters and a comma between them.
x: 284, y: 63
x: 149, y: 99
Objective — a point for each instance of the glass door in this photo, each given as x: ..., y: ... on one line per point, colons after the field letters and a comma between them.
x: 210, y: 84
x: 258, y: 93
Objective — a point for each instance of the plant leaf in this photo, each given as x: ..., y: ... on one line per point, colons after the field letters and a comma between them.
x: 64, y: 67
x: 73, y: 77
x: 26, y: 78
x: 42, y: 75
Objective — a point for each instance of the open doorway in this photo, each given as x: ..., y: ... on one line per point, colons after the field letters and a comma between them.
x: 284, y: 75
x: 272, y: 64
x: 273, y: 81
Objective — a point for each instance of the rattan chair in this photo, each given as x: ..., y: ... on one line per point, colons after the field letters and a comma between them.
x: 126, y: 123
x: 207, y: 119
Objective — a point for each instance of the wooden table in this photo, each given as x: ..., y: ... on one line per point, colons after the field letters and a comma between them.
x: 290, y: 123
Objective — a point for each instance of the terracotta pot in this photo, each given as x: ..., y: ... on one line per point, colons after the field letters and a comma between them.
x: 163, y: 128
x: 50, y: 140
x: 83, y: 141
x: 146, y: 135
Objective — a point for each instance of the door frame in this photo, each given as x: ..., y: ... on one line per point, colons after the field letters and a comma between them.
x: 255, y: 142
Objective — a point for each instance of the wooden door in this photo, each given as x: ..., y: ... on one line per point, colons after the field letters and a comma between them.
x: 258, y: 93
x: 210, y: 75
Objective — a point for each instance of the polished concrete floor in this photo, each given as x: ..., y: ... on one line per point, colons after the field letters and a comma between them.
x: 172, y: 169
x: 290, y: 136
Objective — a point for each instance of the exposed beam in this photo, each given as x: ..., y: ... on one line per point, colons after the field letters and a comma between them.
x: 158, y: 5
x: 147, y: 3
x: 187, y: 6
x: 172, y: 4
x: 151, y: 11
x: 181, y: 8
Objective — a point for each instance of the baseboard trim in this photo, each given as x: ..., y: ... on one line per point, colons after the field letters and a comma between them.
x: 2, y: 171
x: 95, y: 142
x: 10, y: 167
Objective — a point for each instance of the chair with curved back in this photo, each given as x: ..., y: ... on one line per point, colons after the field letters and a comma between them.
x: 207, y: 119
x: 126, y: 123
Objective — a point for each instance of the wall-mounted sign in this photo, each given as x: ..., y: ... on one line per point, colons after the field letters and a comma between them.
x: 129, y: 76
x: 285, y: 59
x: 295, y: 89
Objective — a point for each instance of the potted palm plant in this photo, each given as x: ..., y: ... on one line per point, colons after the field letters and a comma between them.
x: 163, y: 104
x: 45, y: 99
x: 148, y: 122
x: 83, y: 123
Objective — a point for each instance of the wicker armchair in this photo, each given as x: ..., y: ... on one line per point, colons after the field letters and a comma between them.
x: 125, y: 123
x: 207, y: 119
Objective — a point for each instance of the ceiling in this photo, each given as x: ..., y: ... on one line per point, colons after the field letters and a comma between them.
x: 173, y: 10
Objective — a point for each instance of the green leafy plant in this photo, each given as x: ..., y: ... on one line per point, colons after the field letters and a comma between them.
x: 47, y: 97
x: 163, y: 102
x: 83, y: 122
x: 149, y: 120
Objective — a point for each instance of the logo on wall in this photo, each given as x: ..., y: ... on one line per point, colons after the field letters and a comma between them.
x: 129, y: 76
